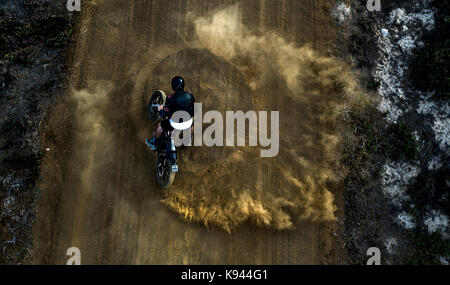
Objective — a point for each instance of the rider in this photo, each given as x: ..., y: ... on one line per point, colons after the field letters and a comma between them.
x: 179, y: 101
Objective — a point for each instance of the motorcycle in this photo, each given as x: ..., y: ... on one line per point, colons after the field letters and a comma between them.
x: 166, y: 163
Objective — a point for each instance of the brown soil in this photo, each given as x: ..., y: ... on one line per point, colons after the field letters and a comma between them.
x: 98, y: 190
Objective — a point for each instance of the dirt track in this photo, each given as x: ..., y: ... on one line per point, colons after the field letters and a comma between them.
x: 98, y: 191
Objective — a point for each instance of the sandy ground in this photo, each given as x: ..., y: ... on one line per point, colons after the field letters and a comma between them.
x: 98, y: 190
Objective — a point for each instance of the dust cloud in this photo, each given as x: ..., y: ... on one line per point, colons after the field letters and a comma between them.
x: 226, y: 187
x: 92, y: 137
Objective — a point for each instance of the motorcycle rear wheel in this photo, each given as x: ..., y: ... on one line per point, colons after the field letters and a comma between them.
x: 164, y: 174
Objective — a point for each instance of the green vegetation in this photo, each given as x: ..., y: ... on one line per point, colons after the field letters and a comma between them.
x: 430, y: 68
x: 11, y: 128
x: 53, y: 31
x: 361, y: 146
x: 373, y: 84
x: 365, y: 127
x: 428, y: 248
x: 429, y: 191
x: 13, y: 132
x: 9, y: 56
x: 371, y: 143
x: 396, y: 142
x: 16, y: 37
x: 399, y: 142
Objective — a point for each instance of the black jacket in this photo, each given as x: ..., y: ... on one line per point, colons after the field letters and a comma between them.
x: 179, y: 101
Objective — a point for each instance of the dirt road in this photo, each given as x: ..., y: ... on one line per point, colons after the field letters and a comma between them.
x: 98, y: 191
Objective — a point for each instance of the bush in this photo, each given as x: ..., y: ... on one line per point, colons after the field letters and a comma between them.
x: 428, y: 248
x: 430, y: 69
x: 400, y: 142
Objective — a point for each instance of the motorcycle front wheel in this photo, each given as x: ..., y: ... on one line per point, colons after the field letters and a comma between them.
x: 158, y: 98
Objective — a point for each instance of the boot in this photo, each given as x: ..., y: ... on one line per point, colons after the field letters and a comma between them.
x: 152, y: 143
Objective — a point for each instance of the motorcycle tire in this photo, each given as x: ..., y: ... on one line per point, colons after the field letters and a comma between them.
x: 159, y: 98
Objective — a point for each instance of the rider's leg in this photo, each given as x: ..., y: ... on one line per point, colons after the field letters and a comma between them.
x: 159, y: 131
x: 154, y: 142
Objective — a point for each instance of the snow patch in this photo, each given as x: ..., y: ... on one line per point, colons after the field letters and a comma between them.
x: 435, y: 163
x: 396, y: 176
x: 405, y: 220
x: 425, y: 18
x: 396, y: 40
x: 397, y: 16
x: 407, y: 44
x: 436, y: 221
x: 441, y: 130
x: 441, y: 124
x: 390, y: 243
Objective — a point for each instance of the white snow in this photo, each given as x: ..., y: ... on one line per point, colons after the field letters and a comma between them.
x: 405, y: 220
x: 390, y: 243
x: 12, y: 183
x: 435, y: 221
x: 397, y: 16
x: 424, y: 19
x: 441, y: 124
x: 389, y: 107
x: 416, y: 136
x: 441, y: 130
x: 396, y: 40
x: 395, y: 177
x: 435, y: 163
x: 9, y: 204
x: 407, y: 43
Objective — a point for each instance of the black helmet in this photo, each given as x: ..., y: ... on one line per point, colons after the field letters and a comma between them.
x: 178, y: 83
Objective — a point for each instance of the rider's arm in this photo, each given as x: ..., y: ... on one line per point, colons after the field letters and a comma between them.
x: 165, y: 112
x: 191, y: 104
